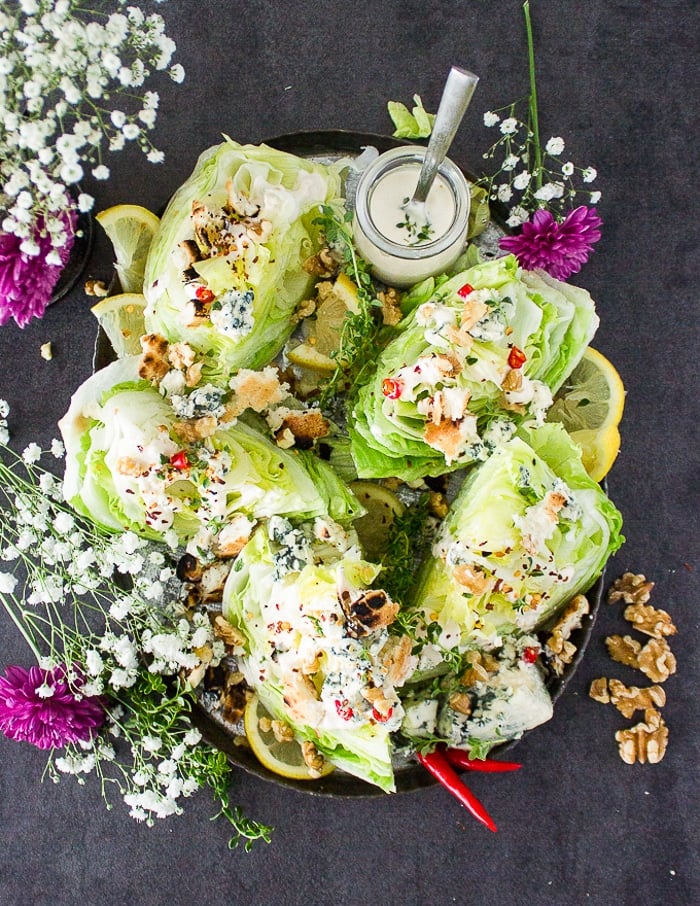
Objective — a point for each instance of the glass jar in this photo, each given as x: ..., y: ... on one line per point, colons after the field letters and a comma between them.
x: 399, y: 250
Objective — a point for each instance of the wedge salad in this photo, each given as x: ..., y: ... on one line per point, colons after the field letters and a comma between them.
x: 223, y: 445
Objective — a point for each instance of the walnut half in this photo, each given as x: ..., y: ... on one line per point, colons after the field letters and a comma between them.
x: 627, y: 699
x: 650, y: 620
x: 631, y: 588
x: 644, y: 742
x: 655, y: 659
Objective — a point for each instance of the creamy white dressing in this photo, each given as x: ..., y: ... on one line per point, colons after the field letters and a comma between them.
x: 387, y: 207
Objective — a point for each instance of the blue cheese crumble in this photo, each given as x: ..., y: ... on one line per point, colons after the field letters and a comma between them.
x: 232, y: 313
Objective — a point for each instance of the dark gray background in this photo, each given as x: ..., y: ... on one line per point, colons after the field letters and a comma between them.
x: 619, y: 81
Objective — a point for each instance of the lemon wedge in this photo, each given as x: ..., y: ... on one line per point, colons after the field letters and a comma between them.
x: 284, y: 757
x: 382, y: 506
x: 334, y: 303
x: 590, y: 406
x: 121, y: 318
x: 130, y: 229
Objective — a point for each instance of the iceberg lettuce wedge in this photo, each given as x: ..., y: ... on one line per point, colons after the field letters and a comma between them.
x: 224, y: 271
x: 128, y: 468
x: 297, y: 597
x: 527, y: 530
x: 481, y: 352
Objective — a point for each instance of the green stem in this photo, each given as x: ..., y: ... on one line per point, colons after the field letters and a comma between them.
x: 536, y: 163
x: 22, y: 628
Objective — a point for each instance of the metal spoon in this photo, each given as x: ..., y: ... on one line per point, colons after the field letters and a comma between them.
x: 456, y: 96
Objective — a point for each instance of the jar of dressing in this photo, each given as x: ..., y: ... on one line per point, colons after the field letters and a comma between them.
x: 402, y: 250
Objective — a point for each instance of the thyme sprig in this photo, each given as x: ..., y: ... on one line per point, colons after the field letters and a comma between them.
x: 359, y: 335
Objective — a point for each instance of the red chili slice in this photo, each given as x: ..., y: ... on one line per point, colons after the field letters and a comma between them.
x: 516, y: 357
x: 179, y: 460
x: 391, y: 388
x: 465, y: 290
x: 204, y: 294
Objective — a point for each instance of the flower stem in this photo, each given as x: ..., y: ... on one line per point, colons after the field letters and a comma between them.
x: 536, y: 163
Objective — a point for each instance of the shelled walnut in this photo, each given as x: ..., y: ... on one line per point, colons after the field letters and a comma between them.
x: 632, y: 588
x: 644, y: 742
x: 627, y: 699
x: 650, y: 620
x: 655, y: 659
x: 558, y: 648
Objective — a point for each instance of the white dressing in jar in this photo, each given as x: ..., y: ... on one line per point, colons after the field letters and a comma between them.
x: 401, y: 248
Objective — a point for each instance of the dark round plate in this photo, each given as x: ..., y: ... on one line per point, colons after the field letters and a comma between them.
x: 332, y: 145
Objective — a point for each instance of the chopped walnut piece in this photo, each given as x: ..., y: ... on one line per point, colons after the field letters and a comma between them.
x: 473, y: 578
x: 624, y: 649
x: 656, y: 660
x: 396, y: 657
x: 437, y: 504
x: 461, y: 703
x: 631, y: 588
x: 599, y: 690
x: 628, y: 699
x: 375, y: 696
x: 513, y: 380
x: 313, y: 759
x: 194, y: 429
x: 96, y: 288
x: 481, y: 667
x: 644, y: 742
x: 650, y: 620
x: 283, y: 732
x: 323, y: 264
x: 558, y: 647
x: 391, y: 306
x: 228, y: 634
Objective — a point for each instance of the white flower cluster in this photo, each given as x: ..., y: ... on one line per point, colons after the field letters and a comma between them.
x: 4, y: 430
x: 110, y: 606
x: 541, y: 177
x: 71, y: 82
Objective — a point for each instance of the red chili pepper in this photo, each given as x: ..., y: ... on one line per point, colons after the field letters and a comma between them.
x: 179, y: 460
x: 530, y: 654
x: 460, y: 758
x: 436, y: 762
x: 343, y: 708
x: 465, y: 290
x: 204, y: 294
x: 382, y: 718
x: 391, y: 388
x: 516, y: 358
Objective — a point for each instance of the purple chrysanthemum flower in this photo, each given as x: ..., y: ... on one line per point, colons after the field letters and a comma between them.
x: 27, y: 281
x: 558, y: 248
x: 52, y: 717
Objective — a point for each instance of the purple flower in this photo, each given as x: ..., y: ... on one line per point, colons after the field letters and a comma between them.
x: 27, y: 281
x: 558, y: 248
x: 40, y: 706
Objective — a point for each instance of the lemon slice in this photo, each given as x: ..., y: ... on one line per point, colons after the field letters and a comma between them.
x: 305, y: 355
x: 284, y: 758
x: 131, y: 229
x: 121, y: 318
x: 382, y: 506
x: 590, y: 406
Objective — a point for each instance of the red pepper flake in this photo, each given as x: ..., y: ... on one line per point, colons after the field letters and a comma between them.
x: 516, y: 357
x: 465, y: 290
x: 204, y: 294
x: 530, y: 654
x: 391, y: 388
x: 179, y: 460
x: 382, y: 718
x: 343, y: 708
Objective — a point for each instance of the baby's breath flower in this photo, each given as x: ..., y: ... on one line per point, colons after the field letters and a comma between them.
x: 63, y: 64
x: 555, y: 146
x: 589, y: 174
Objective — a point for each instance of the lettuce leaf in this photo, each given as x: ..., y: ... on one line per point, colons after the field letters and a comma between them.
x: 454, y: 405
x: 120, y: 436
x: 527, y: 531
x: 268, y: 200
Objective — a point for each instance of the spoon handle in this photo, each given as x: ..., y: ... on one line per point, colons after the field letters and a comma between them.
x: 456, y: 96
